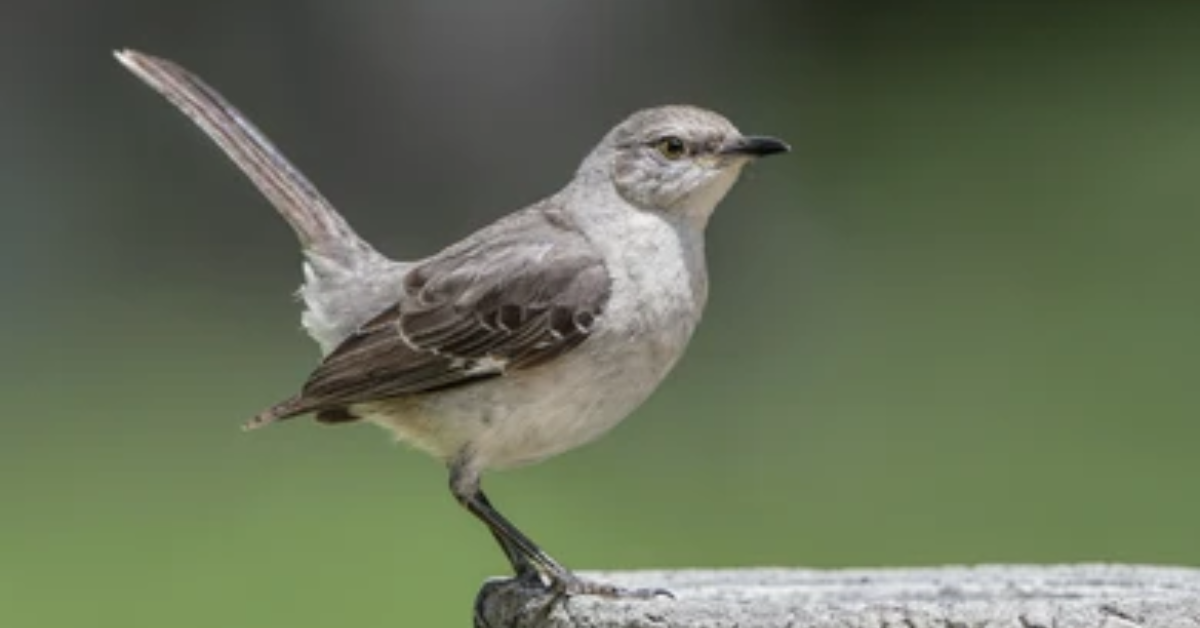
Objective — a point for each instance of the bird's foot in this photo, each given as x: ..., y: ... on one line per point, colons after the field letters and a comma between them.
x: 569, y: 585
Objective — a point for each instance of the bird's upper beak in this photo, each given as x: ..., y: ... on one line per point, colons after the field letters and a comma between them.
x: 754, y: 146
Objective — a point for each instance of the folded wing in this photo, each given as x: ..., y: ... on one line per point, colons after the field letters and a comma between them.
x: 518, y: 294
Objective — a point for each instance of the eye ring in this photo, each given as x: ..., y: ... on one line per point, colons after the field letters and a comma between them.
x: 671, y: 147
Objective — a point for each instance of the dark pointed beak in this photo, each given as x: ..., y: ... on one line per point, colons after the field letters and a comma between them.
x: 754, y: 146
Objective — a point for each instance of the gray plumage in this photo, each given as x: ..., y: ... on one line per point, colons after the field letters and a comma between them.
x: 529, y: 289
x: 532, y: 336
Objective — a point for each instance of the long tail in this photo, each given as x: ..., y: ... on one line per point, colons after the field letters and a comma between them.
x: 321, y: 230
x: 283, y: 410
x: 296, y: 406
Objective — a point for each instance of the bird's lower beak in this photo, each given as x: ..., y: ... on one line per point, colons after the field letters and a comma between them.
x: 754, y: 146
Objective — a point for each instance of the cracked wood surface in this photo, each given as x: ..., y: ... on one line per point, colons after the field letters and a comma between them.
x: 1060, y: 596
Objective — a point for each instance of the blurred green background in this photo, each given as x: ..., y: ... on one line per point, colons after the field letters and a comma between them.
x: 956, y: 325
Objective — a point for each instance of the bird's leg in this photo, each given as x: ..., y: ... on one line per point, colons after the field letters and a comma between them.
x: 526, y: 557
x: 522, y: 566
x: 521, y: 551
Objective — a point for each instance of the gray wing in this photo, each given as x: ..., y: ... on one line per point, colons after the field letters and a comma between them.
x: 511, y: 297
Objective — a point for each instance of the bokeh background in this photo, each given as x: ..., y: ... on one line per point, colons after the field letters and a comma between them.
x: 957, y: 325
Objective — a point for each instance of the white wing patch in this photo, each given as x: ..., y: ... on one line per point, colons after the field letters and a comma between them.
x: 487, y: 364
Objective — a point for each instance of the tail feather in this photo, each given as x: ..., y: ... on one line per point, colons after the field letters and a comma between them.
x: 346, y: 280
x: 286, y: 409
x: 295, y: 407
x: 321, y: 230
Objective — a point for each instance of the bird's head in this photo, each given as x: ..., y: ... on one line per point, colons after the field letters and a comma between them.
x: 677, y: 159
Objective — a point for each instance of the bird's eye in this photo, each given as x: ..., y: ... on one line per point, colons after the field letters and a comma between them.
x: 671, y: 147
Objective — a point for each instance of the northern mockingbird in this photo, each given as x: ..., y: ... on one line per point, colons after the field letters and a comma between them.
x: 530, y: 337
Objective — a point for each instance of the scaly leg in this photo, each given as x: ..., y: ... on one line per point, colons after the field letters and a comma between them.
x: 526, y: 557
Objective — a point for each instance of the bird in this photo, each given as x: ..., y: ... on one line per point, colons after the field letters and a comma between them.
x: 530, y: 337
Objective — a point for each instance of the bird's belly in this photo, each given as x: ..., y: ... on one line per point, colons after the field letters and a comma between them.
x: 566, y: 405
x: 527, y: 416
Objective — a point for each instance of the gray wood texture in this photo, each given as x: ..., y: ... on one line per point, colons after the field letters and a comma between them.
x: 1059, y: 596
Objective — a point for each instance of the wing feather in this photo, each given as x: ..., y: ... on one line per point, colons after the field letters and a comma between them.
x: 514, y: 296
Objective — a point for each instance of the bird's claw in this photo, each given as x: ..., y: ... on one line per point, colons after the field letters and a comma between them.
x: 570, y: 585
